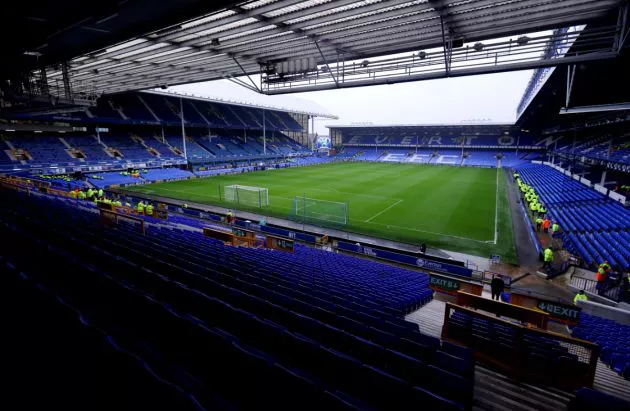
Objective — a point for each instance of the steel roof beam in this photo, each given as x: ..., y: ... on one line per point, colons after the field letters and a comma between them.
x: 441, y: 74
x: 333, y: 35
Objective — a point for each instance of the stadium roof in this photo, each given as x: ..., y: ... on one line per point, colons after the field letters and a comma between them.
x: 321, y: 114
x: 491, y: 124
x: 567, y: 98
x: 254, y: 36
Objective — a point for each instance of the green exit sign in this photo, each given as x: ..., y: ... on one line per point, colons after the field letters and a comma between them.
x: 443, y: 283
x: 560, y: 311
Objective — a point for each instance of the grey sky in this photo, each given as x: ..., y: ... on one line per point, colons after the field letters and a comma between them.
x: 492, y: 97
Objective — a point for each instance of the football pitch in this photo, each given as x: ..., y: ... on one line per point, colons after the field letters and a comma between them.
x: 454, y: 208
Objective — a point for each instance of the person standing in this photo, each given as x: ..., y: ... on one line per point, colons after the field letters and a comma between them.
x: 602, y: 276
x: 555, y: 229
x: 423, y: 248
x: 497, y: 285
x: 546, y: 224
x: 149, y: 210
x: 140, y: 208
x: 539, y: 222
x: 548, y: 258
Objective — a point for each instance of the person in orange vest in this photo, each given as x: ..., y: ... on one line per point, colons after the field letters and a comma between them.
x: 602, y: 276
x: 546, y: 224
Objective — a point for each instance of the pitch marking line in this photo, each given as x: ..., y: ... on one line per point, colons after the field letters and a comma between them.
x: 496, y: 210
x: 381, y: 212
x: 428, y: 232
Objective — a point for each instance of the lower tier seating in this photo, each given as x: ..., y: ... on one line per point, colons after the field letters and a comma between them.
x: 234, y: 328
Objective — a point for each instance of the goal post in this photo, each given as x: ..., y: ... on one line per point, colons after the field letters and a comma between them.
x: 246, y: 195
x: 323, y: 211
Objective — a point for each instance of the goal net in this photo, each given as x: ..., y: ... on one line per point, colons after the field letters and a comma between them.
x: 310, y: 209
x: 247, y: 195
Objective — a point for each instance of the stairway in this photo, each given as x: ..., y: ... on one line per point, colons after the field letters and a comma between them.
x: 430, y: 318
x: 608, y: 381
x: 496, y: 392
x: 105, y: 147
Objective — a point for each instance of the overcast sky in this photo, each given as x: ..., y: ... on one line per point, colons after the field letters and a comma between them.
x: 491, y: 97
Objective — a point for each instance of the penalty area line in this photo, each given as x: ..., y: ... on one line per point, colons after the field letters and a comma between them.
x: 382, y: 211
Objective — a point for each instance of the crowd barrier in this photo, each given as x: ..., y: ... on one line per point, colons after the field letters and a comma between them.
x: 419, y: 262
x: 524, y: 353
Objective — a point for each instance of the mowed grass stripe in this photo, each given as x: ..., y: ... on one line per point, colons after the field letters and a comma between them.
x: 448, y: 207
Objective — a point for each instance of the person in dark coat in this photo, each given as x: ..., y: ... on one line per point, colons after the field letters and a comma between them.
x: 497, y: 285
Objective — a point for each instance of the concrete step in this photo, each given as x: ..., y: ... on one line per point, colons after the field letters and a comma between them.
x: 430, y: 318
x: 495, y: 391
x: 608, y: 381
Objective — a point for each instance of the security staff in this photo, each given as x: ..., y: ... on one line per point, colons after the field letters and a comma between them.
x: 555, y: 228
x: 100, y: 192
x: 548, y: 258
x: 150, y: 209
x: 539, y: 222
x: 140, y: 208
x: 580, y: 296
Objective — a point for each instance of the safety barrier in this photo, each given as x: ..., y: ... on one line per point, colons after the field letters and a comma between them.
x: 113, y: 219
x: 524, y: 353
x: 522, y: 314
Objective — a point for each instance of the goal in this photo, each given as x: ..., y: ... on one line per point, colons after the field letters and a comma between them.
x: 323, y: 211
x: 247, y: 195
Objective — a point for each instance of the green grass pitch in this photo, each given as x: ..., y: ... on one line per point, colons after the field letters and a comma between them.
x: 454, y: 208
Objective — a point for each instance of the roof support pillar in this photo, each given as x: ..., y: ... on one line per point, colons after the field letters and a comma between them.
x: 570, y: 78
x: 66, y: 81
x: 327, y: 66
x: 448, y: 48
x: 622, y: 28
x: 247, y: 75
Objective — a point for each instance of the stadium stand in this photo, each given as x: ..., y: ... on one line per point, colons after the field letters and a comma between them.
x: 127, y: 146
x: 594, y: 227
x: 606, y: 148
x: 89, y: 147
x: 611, y: 336
x: 326, y: 317
x: 108, y: 179
x: 440, y: 144
x: 42, y: 149
x: 166, y: 174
